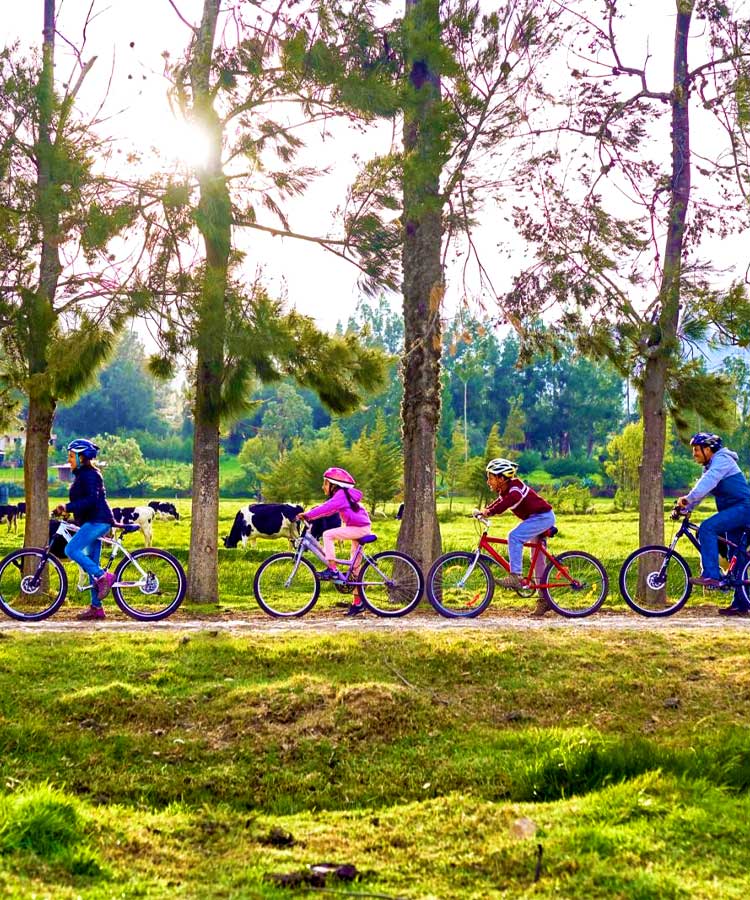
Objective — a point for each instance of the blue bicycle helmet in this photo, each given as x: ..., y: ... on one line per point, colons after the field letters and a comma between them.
x: 83, y: 447
x: 706, y: 439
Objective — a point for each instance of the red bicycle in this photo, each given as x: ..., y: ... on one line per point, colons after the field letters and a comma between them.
x: 461, y: 585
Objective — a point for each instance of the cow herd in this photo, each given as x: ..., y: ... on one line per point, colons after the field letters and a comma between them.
x: 265, y: 520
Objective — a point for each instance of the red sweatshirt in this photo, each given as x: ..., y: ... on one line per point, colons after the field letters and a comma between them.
x: 520, y: 499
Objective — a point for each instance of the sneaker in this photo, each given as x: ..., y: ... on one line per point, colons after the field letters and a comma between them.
x: 734, y: 611
x: 355, y: 609
x: 703, y: 581
x: 331, y: 575
x: 542, y: 608
x: 512, y: 580
x: 103, y: 584
x: 93, y: 612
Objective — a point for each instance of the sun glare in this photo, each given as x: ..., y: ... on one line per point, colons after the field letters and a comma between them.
x: 181, y: 142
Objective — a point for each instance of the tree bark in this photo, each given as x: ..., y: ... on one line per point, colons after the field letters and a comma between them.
x: 423, y: 290
x: 214, y: 223
x: 662, y: 342
x: 39, y: 310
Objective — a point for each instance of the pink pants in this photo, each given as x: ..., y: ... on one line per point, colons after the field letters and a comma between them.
x: 345, y: 533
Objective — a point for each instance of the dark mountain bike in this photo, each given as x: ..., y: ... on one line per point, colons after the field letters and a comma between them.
x: 655, y: 580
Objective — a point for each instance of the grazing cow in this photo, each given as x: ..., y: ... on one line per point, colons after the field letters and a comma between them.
x: 21, y: 509
x: 272, y: 520
x: 142, y: 516
x: 9, y: 511
x: 164, y: 510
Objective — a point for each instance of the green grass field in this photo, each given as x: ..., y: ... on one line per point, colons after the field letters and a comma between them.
x: 198, y: 765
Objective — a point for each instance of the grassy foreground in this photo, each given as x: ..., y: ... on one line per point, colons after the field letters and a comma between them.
x: 196, y: 765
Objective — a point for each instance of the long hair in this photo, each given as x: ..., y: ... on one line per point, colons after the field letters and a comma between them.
x: 353, y: 505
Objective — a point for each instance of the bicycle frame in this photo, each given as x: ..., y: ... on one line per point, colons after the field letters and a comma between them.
x: 538, y: 549
x: 307, y: 542
x: 66, y: 530
x: 689, y: 530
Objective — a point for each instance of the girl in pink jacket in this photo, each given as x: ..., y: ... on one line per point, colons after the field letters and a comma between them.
x: 343, y: 498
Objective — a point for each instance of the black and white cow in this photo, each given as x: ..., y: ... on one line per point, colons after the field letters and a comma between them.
x: 142, y: 516
x: 164, y: 510
x: 9, y: 512
x: 273, y: 520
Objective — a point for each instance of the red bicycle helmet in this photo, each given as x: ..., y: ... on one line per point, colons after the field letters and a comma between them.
x: 339, y: 476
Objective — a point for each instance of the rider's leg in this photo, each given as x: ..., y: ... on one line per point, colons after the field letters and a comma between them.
x: 84, y: 549
x: 708, y: 533
x: 525, y: 531
x: 343, y: 533
x: 739, y: 601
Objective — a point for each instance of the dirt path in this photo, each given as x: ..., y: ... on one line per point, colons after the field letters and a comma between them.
x: 686, y: 620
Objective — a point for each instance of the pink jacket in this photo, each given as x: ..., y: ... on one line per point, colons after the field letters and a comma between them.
x: 338, y: 504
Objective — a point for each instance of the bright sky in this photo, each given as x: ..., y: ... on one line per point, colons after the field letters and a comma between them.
x: 316, y: 283
x: 128, y: 38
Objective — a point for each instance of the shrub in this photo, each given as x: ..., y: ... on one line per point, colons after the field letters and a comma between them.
x: 578, y: 466
x: 528, y: 461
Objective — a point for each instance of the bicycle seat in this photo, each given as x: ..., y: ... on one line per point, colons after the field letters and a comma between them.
x: 126, y: 529
x: 550, y: 532
x: 367, y: 539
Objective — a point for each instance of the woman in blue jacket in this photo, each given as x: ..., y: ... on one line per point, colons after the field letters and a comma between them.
x: 91, y: 512
x: 723, y: 478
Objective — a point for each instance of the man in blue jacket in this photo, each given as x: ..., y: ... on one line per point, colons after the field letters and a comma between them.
x: 723, y: 478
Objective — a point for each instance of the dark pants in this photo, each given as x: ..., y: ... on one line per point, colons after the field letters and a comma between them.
x: 731, y: 521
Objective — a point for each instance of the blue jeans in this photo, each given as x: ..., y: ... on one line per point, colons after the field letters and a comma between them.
x: 731, y: 522
x: 85, y: 548
x: 527, y: 530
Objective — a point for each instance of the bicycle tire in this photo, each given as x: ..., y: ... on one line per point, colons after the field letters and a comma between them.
x: 283, y: 591
x: 645, y: 591
x: 452, y: 598
x: 19, y: 598
x: 401, y: 590
x: 744, y: 587
x: 161, y: 593
x: 582, y: 596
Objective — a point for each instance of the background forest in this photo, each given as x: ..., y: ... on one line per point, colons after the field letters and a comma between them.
x: 568, y: 422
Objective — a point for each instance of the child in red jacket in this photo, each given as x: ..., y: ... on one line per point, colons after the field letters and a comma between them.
x: 535, y: 513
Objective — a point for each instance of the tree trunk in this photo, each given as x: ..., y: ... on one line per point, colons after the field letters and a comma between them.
x: 663, y: 345
x: 39, y: 311
x: 423, y: 294
x: 214, y: 222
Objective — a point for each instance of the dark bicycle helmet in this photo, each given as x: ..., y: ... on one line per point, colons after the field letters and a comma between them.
x: 706, y: 439
x: 83, y: 447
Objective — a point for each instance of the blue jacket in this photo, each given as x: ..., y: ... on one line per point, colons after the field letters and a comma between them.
x: 723, y: 478
x: 88, y: 498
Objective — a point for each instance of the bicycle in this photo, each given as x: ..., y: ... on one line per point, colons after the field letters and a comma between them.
x: 461, y: 585
x: 287, y: 585
x: 149, y: 583
x: 655, y: 579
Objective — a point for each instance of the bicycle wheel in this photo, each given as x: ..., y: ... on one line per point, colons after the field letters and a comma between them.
x: 285, y: 586
x: 150, y: 585
x: 578, y: 588
x: 27, y: 592
x: 655, y: 582
x: 745, y: 578
x: 391, y: 583
x: 455, y: 589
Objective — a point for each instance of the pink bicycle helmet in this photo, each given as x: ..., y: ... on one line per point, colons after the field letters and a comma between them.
x: 339, y: 476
